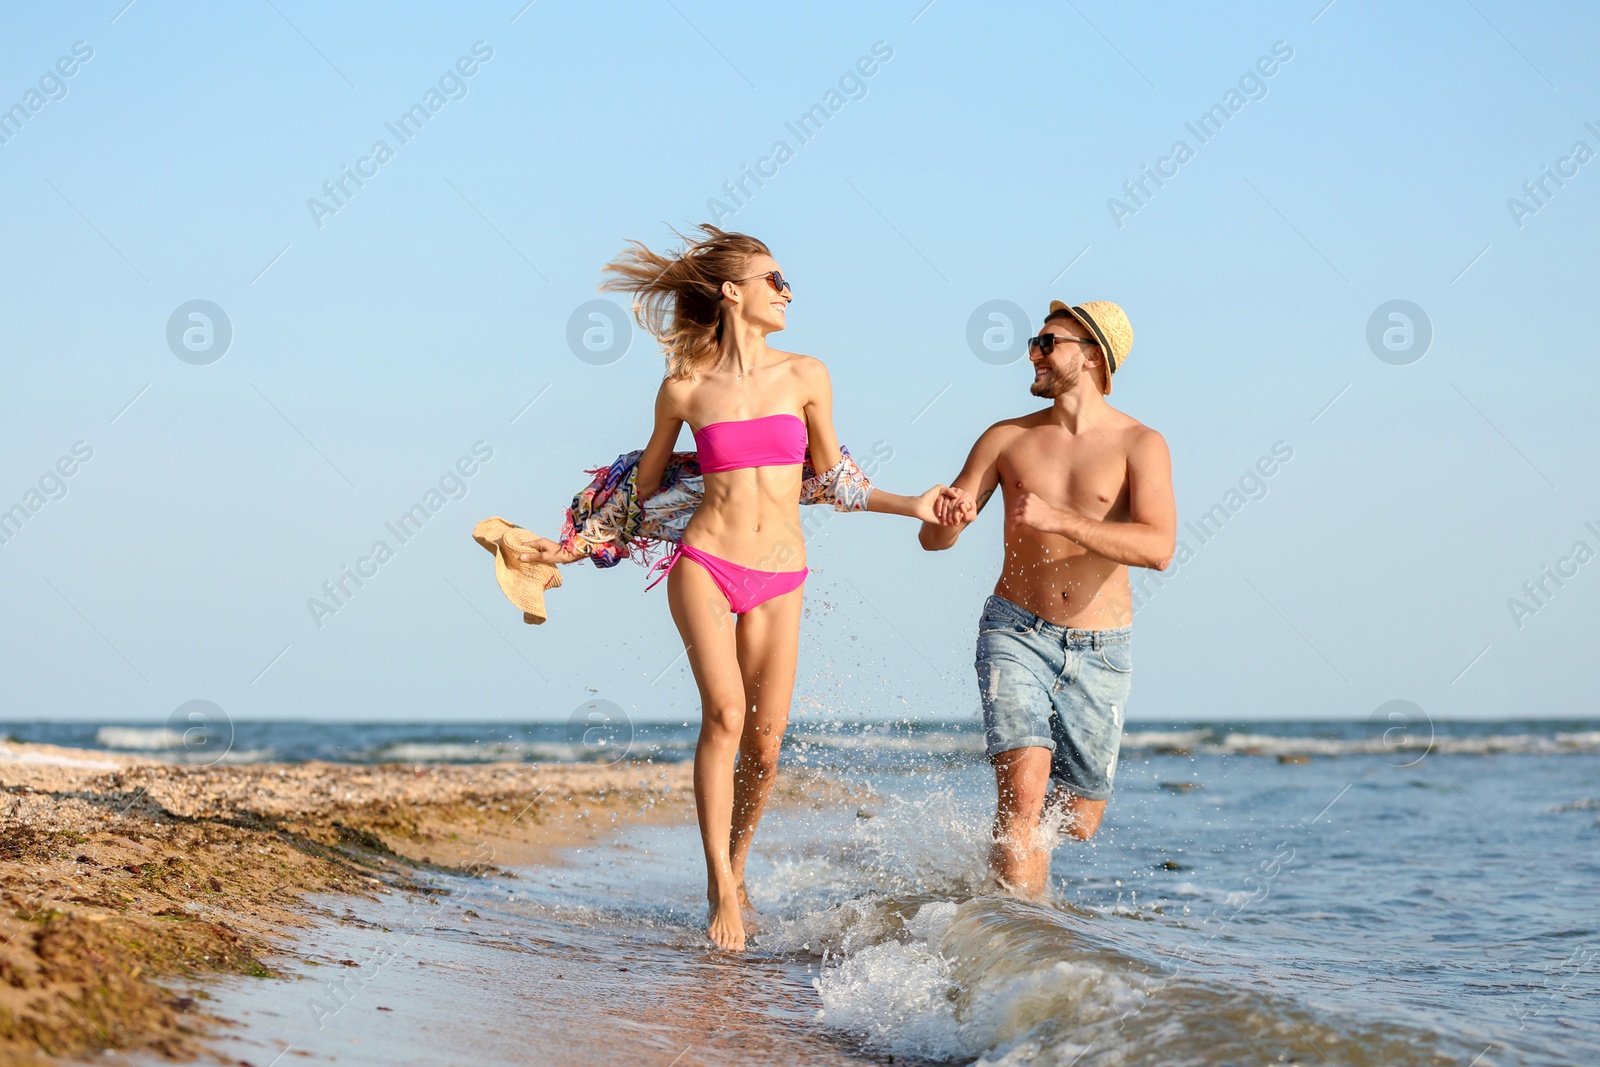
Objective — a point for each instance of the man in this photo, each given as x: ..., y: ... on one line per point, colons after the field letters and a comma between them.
x: 1088, y: 494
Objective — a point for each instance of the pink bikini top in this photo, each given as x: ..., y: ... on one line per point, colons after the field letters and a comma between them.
x: 770, y: 441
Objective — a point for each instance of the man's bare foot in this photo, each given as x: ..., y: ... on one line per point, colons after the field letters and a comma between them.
x: 725, y: 926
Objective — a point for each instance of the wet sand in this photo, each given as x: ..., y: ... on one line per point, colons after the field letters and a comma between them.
x: 127, y: 884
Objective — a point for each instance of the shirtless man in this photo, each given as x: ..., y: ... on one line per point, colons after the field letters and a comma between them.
x: 1088, y: 494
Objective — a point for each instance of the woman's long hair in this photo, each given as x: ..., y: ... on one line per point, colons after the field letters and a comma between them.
x: 678, y: 298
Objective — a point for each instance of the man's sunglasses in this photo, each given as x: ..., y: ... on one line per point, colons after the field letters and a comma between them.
x: 774, y: 278
x: 1046, y: 342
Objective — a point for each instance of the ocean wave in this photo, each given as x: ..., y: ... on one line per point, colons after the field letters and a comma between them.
x: 1206, y: 742
x: 148, y: 738
x: 53, y: 759
x: 1581, y: 804
x: 998, y: 981
x: 851, y: 746
x: 481, y: 751
x: 234, y: 755
x: 169, y: 746
x: 961, y: 744
x: 1158, y: 739
x: 930, y: 743
x: 919, y: 962
x: 898, y: 996
x: 858, y: 886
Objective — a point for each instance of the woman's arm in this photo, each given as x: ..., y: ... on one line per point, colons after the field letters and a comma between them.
x: 647, y: 478
x: 544, y: 550
x: 825, y: 451
x: 821, y: 440
x: 653, y: 463
x: 912, y: 507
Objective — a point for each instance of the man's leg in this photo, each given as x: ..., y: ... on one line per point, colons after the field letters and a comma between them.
x: 1087, y: 730
x: 1015, y: 667
x: 1019, y: 859
x: 1067, y: 813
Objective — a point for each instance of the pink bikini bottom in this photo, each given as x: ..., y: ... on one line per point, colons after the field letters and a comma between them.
x: 744, y: 587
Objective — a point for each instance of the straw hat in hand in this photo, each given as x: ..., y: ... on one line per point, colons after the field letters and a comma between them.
x: 523, y: 583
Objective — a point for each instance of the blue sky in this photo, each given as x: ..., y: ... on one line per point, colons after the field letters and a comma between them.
x: 374, y: 346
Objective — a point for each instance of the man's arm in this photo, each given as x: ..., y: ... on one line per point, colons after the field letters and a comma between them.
x: 977, y: 481
x: 1146, y: 539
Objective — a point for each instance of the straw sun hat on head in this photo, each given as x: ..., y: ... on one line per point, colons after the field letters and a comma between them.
x: 522, y: 583
x: 1107, y: 324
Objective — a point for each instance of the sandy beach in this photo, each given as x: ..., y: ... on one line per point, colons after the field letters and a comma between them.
x: 127, y: 883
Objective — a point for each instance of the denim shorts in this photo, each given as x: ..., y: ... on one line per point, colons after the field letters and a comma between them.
x: 1053, y: 687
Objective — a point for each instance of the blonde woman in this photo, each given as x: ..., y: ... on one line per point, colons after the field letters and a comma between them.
x: 757, y: 414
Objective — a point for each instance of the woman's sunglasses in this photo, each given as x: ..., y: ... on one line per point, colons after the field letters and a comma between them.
x: 1046, y: 342
x: 774, y: 278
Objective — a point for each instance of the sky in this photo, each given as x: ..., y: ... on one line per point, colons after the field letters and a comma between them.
x: 1357, y: 236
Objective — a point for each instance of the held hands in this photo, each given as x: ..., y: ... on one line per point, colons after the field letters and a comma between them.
x: 954, y: 507
x: 923, y: 507
x: 936, y: 507
x: 944, y: 506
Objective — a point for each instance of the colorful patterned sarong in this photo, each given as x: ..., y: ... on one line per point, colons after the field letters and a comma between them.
x: 609, y: 521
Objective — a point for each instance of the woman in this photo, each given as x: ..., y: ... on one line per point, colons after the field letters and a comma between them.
x: 756, y: 412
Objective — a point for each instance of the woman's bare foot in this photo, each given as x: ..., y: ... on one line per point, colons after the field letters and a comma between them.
x: 725, y: 926
x: 748, y: 912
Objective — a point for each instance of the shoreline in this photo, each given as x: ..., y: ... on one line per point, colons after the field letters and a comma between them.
x: 127, y: 884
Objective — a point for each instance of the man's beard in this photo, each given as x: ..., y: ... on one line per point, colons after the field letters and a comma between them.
x: 1053, y: 384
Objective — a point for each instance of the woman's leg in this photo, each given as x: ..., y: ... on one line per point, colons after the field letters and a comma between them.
x: 769, y: 644
x: 701, y: 613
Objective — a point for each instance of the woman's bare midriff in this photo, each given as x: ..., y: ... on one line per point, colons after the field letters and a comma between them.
x: 751, y: 517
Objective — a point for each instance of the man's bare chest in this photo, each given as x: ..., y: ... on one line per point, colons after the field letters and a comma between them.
x: 1088, y: 476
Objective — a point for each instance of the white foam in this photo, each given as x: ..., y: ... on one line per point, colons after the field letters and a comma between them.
x: 932, y: 920
x: 1581, y: 804
x: 51, y: 759
x: 138, y: 737
x: 921, y: 745
x: 1415, y: 744
x: 1166, y: 738
x: 458, y: 752
x: 1033, y: 1011
x: 234, y: 755
x: 935, y: 846
x: 836, y: 930
x: 949, y: 986
x: 897, y: 997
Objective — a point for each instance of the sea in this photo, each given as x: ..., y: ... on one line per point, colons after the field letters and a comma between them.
x: 1308, y: 893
